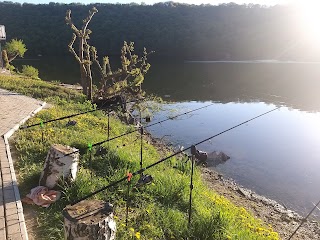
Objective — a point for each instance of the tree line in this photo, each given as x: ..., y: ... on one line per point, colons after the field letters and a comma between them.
x: 197, y: 32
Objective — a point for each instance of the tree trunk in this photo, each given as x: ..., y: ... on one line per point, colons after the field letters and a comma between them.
x: 89, y: 83
x: 5, y: 59
x: 59, y: 165
x: 83, y: 76
x: 89, y: 220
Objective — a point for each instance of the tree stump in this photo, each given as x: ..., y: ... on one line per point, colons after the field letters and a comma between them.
x: 89, y: 220
x: 58, y: 165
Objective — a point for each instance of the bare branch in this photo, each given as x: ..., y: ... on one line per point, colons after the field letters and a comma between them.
x: 88, y: 19
x: 95, y: 59
x: 10, y: 59
x: 106, y: 65
x: 70, y: 23
x: 71, y: 49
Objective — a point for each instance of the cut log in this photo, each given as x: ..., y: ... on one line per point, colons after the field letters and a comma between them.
x: 89, y: 220
x: 59, y: 165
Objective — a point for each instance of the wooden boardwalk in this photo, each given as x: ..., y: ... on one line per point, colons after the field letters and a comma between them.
x: 14, y: 110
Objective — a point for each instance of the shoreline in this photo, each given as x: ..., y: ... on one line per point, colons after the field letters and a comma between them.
x: 283, y: 220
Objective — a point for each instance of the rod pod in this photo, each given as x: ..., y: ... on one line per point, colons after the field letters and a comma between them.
x: 129, y: 176
x: 193, y: 151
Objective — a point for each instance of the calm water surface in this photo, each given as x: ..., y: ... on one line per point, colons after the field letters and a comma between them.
x: 277, y: 155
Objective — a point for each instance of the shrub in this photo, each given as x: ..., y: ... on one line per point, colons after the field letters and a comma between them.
x: 30, y: 71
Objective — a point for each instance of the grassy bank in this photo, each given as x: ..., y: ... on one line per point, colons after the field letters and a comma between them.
x: 157, y: 211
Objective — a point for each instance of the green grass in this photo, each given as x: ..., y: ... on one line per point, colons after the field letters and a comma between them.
x: 157, y: 211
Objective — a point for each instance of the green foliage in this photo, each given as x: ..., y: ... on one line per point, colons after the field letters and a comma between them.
x: 30, y: 71
x: 127, y: 79
x: 156, y: 211
x: 15, y: 48
x: 10, y: 67
x: 40, y: 89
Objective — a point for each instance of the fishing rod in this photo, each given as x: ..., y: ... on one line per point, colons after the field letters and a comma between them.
x: 191, y: 185
x: 153, y: 124
x: 305, y: 219
x: 57, y: 119
x: 110, y: 105
x: 170, y: 156
x: 149, y: 125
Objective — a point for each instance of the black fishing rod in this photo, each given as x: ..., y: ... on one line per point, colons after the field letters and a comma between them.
x: 191, y: 187
x: 304, y: 220
x: 149, y: 125
x: 104, y: 105
x: 170, y: 156
x: 57, y: 119
x: 153, y: 124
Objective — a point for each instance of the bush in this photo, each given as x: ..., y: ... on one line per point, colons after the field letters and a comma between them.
x: 30, y: 71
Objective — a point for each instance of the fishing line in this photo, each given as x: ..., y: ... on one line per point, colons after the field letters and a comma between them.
x: 149, y: 125
x: 170, y: 156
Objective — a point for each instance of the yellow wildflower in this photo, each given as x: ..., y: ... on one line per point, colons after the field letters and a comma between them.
x: 137, y: 235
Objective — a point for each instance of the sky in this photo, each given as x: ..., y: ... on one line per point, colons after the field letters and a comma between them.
x: 213, y: 2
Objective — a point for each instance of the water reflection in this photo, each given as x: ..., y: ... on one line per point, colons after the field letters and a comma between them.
x: 292, y: 84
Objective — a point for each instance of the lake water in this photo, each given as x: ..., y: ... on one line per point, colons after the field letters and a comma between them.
x: 277, y: 155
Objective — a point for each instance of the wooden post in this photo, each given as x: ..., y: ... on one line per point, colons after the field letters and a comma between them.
x: 89, y: 220
x: 61, y: 161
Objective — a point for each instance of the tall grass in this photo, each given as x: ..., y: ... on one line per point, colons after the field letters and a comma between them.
x: 156, y: 211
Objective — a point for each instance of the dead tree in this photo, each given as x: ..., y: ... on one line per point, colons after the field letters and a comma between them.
x: 127, y: 79
x: 83, y: 55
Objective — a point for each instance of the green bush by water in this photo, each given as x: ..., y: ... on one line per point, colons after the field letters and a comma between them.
x: 30, y: 71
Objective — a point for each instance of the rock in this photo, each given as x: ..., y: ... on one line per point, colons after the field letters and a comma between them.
x: 215, y: 158
x: 244, y: 192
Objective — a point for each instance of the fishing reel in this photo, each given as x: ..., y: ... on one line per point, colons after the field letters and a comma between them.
x: 144, y: 179
x: 71, y: 123
x: 200, y: 155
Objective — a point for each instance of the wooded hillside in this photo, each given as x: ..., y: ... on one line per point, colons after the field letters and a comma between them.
x: 224, y: 32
